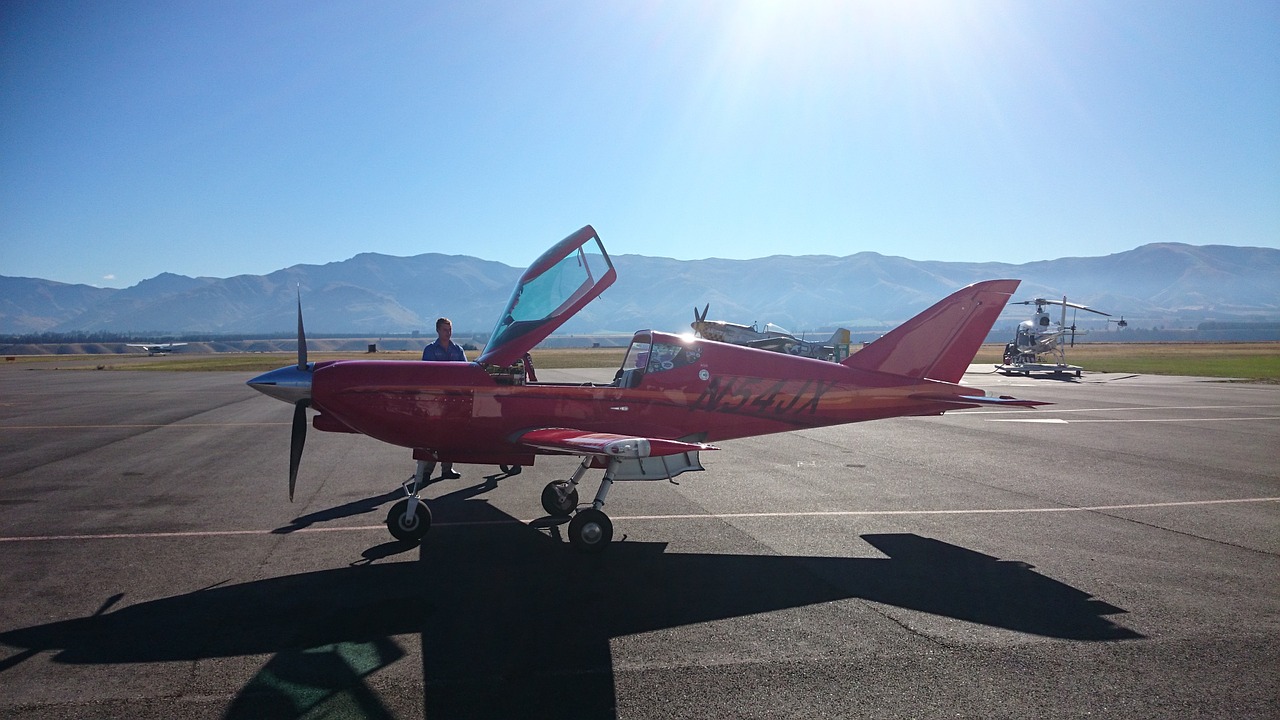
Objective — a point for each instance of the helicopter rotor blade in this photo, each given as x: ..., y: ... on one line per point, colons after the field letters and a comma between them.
x: 1040, y: 302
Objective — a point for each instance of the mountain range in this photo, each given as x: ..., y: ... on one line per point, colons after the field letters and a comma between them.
x: 1161, y: 284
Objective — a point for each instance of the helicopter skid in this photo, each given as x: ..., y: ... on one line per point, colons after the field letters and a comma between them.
x: 1039, y: 368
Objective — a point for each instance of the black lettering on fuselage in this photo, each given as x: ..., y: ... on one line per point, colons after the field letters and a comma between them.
x: 712, y: 394
x: 819, y: 389
x: 736, y: 395
x: 765, y: 399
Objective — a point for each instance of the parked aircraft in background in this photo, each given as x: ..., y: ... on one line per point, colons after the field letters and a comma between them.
x: 1040, y: 344
x: 672, y: 396
x: 771, y: 338
x: 156, y: 348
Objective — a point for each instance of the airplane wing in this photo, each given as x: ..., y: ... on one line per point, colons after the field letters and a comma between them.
x: 580, y: 442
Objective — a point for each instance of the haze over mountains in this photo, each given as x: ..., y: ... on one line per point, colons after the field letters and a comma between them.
x: 1164, y: 284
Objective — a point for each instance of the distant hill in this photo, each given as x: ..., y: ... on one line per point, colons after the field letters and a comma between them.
x: 1163, y: 284
x: 32, y: 305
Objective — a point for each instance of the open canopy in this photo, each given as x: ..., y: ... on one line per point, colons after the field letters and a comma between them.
x: 555, y: 287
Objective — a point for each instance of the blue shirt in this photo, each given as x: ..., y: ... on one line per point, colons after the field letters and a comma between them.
x: 435, y: 352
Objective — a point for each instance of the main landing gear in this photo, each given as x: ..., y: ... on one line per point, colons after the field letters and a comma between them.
x: 590, y: 530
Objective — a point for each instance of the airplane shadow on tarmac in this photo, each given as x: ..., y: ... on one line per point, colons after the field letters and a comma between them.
x: 514, y: 623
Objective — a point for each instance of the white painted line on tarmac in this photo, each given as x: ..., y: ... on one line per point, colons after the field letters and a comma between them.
x: 1059, y: 411
x: 1060, y: 421
x: 715, y: 516
x: 976, y: 511
x: 138, y: 425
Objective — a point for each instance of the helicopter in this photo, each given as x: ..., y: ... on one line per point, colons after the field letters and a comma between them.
x: 1040, y: 345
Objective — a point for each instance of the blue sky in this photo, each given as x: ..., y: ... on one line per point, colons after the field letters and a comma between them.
x: 221, y: 138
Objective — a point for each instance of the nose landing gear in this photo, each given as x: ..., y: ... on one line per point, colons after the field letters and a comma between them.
x: 410, y: 518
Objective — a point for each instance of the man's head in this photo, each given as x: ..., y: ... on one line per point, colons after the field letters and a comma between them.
x: 444, y: 328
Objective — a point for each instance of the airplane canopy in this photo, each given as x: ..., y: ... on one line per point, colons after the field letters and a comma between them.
x: 555, y: 287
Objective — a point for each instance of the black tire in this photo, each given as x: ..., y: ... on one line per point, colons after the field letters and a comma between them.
x: 409, y: 532
x: 552, y: 503
x: 510, y: 469
x: 590, y: 531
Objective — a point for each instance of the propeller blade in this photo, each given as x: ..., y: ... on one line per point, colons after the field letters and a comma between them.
x: 297, y: 439
x: 698, y: 320
x: 302, y: 336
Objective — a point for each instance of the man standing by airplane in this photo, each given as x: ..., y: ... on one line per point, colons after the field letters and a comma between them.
x: 445, y: 350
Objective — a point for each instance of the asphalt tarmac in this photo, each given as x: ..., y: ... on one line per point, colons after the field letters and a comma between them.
x: 1112, y: 555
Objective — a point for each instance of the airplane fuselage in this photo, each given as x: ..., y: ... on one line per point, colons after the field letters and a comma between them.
x: 727, y: 392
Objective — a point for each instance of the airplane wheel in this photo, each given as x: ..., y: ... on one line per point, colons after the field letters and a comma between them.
x: 402, y: 528
x: 552, y: 503
x: 590, y: 530
x: 510, y: 469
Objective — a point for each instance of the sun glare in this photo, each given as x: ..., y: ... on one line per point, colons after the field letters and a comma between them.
x: 830, y: 62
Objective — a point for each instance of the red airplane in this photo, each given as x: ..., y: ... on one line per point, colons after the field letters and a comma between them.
x: 672, y: 396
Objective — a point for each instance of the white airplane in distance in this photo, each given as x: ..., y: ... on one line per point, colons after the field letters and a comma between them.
x: 156, y: 348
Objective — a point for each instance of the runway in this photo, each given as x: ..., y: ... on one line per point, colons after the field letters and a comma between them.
x: 1111, y: 555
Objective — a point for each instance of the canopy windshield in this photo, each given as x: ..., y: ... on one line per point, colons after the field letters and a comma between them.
x: 558, y: 284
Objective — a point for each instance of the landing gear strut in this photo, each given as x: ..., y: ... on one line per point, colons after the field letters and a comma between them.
x: 590, y: 531
x: 560, y: 497
x: 410, y: 519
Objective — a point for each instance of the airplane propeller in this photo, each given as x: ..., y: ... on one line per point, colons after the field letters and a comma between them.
x: 302, y: 337
x: 298, y: 436
x: 296, y: 440
x: 292, y: 384
x: 698, y: 320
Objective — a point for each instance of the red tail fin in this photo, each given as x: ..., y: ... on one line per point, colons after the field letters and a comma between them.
x: 940, y: 342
